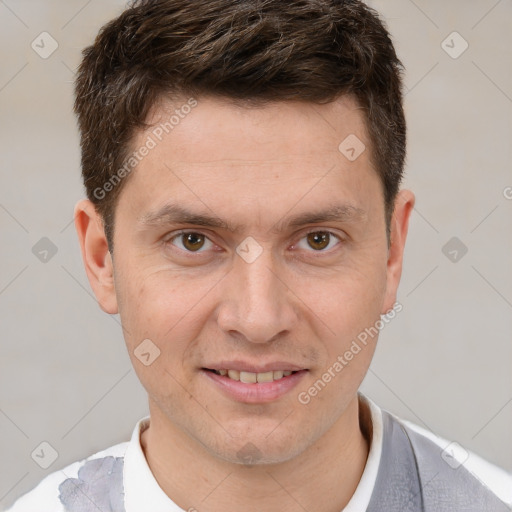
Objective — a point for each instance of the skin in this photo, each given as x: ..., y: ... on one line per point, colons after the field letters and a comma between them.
x: 299, y: 301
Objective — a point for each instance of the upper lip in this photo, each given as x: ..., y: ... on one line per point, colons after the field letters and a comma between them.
x: 245, y: 366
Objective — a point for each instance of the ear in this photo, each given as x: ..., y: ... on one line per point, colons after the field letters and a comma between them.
x: 404, y: 204
x: 95, y: 254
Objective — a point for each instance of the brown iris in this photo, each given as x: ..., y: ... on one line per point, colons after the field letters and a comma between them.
x: 193, y: 241
x: 318, y: 240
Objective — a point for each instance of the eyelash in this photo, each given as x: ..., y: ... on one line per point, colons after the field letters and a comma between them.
x: 168, y: 241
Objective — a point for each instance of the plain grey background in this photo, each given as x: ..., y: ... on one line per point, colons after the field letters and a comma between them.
x: 443, y: 363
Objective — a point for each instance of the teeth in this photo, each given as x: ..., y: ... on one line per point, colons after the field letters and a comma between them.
x: 265, y: 377
x: 253, y: 378
x: 234, y: 374
x: 248, y: 378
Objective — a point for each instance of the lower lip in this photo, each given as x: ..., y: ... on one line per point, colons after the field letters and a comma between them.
x: 257, y: 393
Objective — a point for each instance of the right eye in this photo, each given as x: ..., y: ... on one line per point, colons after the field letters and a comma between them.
x: 190, y: 241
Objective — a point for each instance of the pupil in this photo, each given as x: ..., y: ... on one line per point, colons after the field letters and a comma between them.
x: 320, y: 238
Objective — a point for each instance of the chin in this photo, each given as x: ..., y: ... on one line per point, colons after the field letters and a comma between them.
x: 258, y: 450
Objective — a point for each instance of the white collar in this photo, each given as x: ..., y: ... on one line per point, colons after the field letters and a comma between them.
x: 142, y: 490
x: 361, y: 498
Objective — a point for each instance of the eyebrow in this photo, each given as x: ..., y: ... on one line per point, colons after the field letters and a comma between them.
x: 175, y: 214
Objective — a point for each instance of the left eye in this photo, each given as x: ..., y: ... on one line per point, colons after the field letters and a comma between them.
x: 319, y: 240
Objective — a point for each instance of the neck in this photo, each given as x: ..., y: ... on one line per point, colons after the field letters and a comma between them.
x: 322, y: 478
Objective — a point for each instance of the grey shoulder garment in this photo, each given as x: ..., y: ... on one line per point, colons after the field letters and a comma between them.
x: 413, y: 477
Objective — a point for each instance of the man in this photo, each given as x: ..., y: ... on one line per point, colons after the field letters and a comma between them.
x: 242, y: 162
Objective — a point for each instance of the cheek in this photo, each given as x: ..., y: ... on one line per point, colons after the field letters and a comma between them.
x: 154, y: 296
x: 350, y: 296
x: 166, y: 316
x: 167, y: 308
x: 349, y: 306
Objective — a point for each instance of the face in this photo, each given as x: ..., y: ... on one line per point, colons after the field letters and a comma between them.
x: 247, y: 241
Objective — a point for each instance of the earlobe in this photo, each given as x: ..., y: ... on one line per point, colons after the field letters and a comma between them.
x: 95, y: 254
x: 404, y: 205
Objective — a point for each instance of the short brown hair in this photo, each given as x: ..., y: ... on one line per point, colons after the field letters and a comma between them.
x: 252, y: 51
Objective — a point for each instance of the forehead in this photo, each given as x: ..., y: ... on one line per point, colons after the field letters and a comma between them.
x: 230, y: 156
x: 310, y: 129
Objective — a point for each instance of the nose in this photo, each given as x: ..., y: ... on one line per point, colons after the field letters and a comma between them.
x: 256, y: 302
